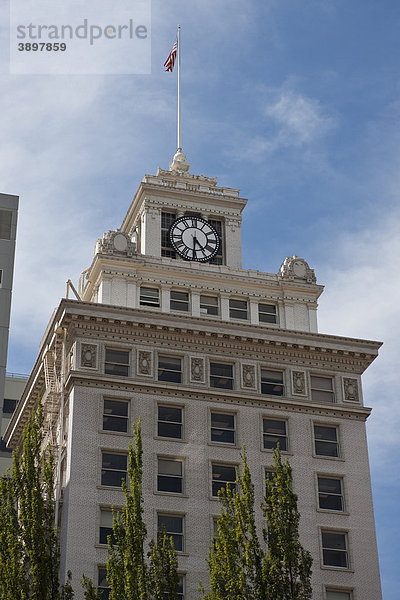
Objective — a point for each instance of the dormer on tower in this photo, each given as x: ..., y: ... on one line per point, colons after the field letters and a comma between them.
x: 169, y: 195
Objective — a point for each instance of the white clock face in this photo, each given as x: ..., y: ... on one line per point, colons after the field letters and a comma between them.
x: 194, y: 238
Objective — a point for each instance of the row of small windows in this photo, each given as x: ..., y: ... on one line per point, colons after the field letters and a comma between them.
x: 209, y: 305
x: 117, y: 362
x: 223, y: 428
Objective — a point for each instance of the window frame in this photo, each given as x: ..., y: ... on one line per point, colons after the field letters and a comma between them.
x: 102, y: 509
x: 183, y: 302
x: 225, y: 377
x: 179, y: 515
x: 332, y: 392
x: 127, y: 418
x: 13, y: 401
x: 231, y: 308
x: 219, y: 226
x: 160, y: 356
x: 178, y: 459
x: 335, y: 477
x: 103, y: 568
x: 334, y: 588
x: 118, y: 453
x: 218, y: 411
x: 221, y: 463
x: 149, y: 304
x: 204, y: 304
x: 166, y: 250
x: 283, y: 384
x: 286, y: 436
x: 346, y: 552
x: 273, y: 314
x: 127, y: 365
x: 181, y: 407
x: 338, y: 443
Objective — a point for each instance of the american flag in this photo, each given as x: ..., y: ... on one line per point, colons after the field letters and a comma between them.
x: 169, y: 63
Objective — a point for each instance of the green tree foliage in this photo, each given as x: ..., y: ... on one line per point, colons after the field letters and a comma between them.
x: 239, y: 567
x: 130, y: 575
x: 29, y: 556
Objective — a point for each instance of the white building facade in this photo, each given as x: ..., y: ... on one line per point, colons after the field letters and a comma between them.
x: 211, y: 357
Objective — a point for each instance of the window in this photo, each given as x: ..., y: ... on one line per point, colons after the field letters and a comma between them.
x: 330, y: 493
x: 334, y: 549
x: 169, y: 369
x: 267, y: 313
x: 117, y: 362
x: 114, y: 469
x: 223, y: 428
x: 1, y: 278
x: 170, y: 476
x: 274, y: 433
x: 115, y: 415
x: 169, y: 422
x: 173, y: 525
x: 336, y: 595
x: 209, y: 305
x: 218, y: 259
x: 106, y: 526
x: 238, y: 309
x: 272, y: 382
x: 179, y: 301
x: 9, y: 406
x: 326, y: 441
x: 103, y: 585
x: 181, y: 590
x: 3, y: 447
x: 221, y: 475
x: 322, y: 389
x: 5, y: 224
x: 166, y: 247
x: 149, y: 296
x: 221, y: 376
x: 269, y: 476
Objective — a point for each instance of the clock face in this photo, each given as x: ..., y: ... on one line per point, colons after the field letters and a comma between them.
x: 194, y: 238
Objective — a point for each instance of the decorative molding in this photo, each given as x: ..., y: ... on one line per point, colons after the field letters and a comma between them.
x: 299, y: 386
x: 350, y: 390
x: 145, y: 363
x: 197, y: 369
x: 248, y: 376
x: 294, y: 268
x: 88, y: 356
x: 115, y: 242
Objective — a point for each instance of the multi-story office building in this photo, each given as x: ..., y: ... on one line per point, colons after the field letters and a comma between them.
x: 8, y: 230
x: 210, y: 356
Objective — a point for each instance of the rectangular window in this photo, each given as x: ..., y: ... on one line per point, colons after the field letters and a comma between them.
x: 269, y: 476
x: 170, y: 422
x: 113, y: 469
x: 272, y: 382
x: 274, y: 433
x: 181, y: 589
x: 3, y: 447
x: 221, y: 376
x: 102, y: 583
x: 218, y: 259
x: 326, y: 441
x: 169, y: 369
x: 9, y: 406
x: 149, y: 297
x: 170, y: 476
x: 223, y: 428
x: 334, y: 549
x: 173, y: 525
x: 1, y: 278
x: 115, y: 415
x: 209, y: 305
x: 179, y: 301
x: 336, y: 595
x: 106, y: 526
x: 117, y: 362
x: 5, y: 224
x: 238, y: 309
x: 267, y: 313
x: 221, y: 475
x: 322, y: 389
x: 166, y: 247
x: 330, y: 493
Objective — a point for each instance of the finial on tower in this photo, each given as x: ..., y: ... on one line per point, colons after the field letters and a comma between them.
x: 179, y: 162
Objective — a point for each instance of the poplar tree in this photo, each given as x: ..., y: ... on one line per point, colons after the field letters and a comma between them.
x: 130, y: 575
x: 239, y: 567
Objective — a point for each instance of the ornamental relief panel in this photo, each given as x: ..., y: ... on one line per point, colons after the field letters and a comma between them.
x: 197, y: 370
x: 145, y: 363
x: 248, y: 376
x: 88, y: 356
x: 299, y: 387
x: 350, y: 389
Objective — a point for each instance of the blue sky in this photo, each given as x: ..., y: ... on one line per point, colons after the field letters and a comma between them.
x: 297, y: 103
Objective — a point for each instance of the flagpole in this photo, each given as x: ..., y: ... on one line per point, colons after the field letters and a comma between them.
x: 179, y: 91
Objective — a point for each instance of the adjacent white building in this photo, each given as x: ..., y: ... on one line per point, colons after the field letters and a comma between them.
x: 211, y: 357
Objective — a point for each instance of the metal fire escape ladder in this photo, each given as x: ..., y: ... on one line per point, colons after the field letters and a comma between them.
x: 51, y: 399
